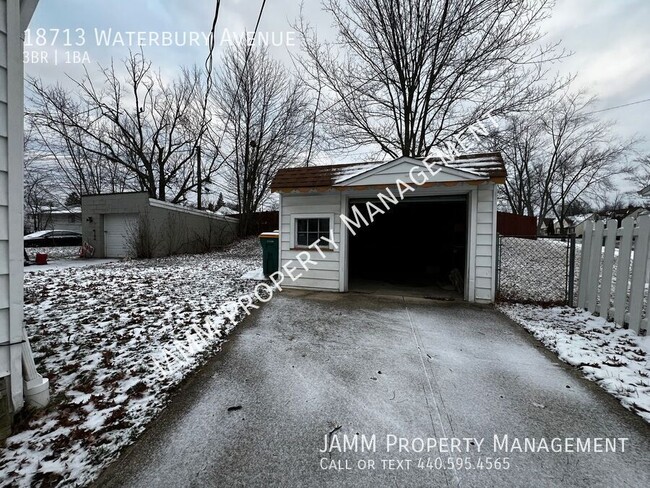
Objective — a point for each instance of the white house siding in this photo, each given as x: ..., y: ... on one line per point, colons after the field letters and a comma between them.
x: 325, y: 275
x: 15, y: 355
x: 329, y: 274
x: 11, y: 137
x: 71, y: 221
x: 58, y: 220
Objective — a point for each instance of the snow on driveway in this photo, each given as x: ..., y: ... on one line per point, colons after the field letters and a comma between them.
x: 94, y: 331
x: 615, y: 358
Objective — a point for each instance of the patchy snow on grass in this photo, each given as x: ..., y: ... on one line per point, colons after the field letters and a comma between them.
x: 95, y: 332
x: 256, y: 274
x: 54, y: 253
x: 615, y: 358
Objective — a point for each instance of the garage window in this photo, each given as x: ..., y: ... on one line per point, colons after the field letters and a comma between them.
x: 309, y: 230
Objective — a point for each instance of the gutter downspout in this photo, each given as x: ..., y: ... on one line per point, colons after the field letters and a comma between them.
x: 36, y: 389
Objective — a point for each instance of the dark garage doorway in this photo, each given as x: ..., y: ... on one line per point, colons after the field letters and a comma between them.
x: 416, y: 248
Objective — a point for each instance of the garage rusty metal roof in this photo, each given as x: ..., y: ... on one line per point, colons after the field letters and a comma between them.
x: 488, y: 166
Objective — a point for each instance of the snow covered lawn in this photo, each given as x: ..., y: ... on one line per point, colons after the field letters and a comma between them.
x: 615, y: 358
x: 54, y: 253
x: 94, y: 331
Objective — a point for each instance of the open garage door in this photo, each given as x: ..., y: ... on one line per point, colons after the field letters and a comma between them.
x: 418, y: 247
x: 117, y: 228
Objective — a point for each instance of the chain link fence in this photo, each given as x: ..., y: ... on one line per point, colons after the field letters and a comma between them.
x: 537, y: 269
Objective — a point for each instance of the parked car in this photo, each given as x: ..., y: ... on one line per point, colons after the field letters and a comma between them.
x: 53, y: 238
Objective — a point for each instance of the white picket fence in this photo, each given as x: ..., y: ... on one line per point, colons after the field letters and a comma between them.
x: 614, y: 271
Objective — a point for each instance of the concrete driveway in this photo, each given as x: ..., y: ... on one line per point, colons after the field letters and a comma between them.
x: 311, y: 366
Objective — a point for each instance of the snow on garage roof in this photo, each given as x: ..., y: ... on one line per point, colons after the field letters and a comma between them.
x: 484, y: 165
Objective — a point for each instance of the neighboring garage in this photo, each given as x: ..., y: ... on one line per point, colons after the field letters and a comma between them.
x: 438, y: 239
x: 134, y: 225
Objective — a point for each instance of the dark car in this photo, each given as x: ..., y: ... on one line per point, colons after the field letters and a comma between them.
x: 53, y: 238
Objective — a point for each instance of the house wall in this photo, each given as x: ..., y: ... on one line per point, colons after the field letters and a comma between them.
x: 331, y: 272
x: 50, y: 220
x: 175, y: 229
x: 16, y: 361
x: 59, y: 222
x: 7, y: 331
x: 11, y: 184
x: 66, y: 222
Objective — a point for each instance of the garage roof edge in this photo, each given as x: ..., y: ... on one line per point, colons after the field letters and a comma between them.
x: 477, y: 166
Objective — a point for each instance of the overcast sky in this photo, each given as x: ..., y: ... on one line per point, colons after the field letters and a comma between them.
x: 610, y: 40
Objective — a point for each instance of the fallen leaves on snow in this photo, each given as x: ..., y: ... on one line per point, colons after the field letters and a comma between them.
x: 613, y: 357
x: 93, y: 331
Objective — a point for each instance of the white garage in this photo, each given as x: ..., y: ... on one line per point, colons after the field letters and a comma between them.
x: 133, y: 224
x: 422, y: 226
x: 117, y: 228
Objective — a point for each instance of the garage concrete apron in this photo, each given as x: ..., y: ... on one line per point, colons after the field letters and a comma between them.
x: 314, y: 366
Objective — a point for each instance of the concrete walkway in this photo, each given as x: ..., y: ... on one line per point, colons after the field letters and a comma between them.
x: 310, y: 366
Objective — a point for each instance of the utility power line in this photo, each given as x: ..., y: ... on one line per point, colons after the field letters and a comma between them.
x: 208, y: 60
x: 618, y: 106
x: 239, y: 81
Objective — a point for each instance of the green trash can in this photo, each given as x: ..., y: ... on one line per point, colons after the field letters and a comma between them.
x: 270, y: 252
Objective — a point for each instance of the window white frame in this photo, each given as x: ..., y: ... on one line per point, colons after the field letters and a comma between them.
x: 294, y: 228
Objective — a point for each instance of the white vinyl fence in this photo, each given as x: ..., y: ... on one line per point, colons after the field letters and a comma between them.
x: 614, y: 271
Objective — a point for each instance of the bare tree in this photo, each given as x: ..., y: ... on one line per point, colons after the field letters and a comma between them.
x: 521, y: 147
x: 640, y: 177
x: 39, y: 200
x: 74, y: 168
x: 404, y: 76
x: 562, y: 158
x: 615, y: 203
x: 584, y: 157
x: 139, y: 132
x: 38, y: 187
x: 263, y: 125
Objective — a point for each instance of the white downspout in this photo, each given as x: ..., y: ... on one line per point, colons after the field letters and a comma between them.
x: 36, y: 389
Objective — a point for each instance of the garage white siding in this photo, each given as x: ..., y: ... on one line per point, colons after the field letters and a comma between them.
x: 330, y: 272
x: 117, y: 229
x: 484, y: 250
x: 400, y: 169
x: 326, y: 274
